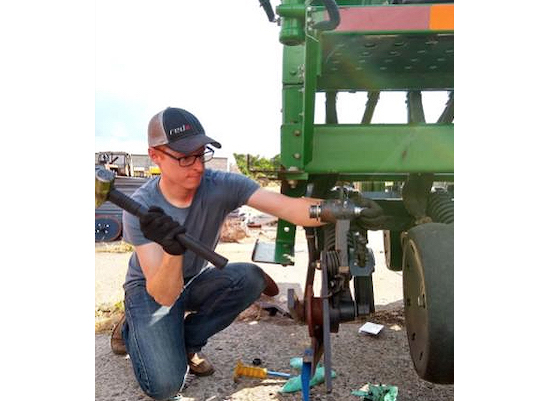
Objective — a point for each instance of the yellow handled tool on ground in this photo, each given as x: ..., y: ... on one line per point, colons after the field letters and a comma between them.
x: 256, y: 372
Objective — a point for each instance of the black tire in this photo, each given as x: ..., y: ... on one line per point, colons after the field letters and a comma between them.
x: 428, y: 288
x: 108, y: 228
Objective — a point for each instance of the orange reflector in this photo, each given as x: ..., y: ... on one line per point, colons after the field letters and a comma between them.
x: 441, y: 17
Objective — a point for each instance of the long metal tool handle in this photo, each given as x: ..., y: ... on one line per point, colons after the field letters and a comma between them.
x: 136, y: 209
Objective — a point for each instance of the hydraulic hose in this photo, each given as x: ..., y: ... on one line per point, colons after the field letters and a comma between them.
x: 335, y: 18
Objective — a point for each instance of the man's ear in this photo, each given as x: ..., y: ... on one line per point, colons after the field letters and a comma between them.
x: 154, y: 156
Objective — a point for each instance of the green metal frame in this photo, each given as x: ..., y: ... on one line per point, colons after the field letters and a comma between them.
x: 360, y: 57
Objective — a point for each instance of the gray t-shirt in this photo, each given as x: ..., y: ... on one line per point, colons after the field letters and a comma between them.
x: 218, y: 194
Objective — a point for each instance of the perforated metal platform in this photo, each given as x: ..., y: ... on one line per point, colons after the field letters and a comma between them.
x: 390, y: 61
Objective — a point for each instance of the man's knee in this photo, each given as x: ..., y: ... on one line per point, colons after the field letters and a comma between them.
x: 162, y: 387
x: 255, y: 279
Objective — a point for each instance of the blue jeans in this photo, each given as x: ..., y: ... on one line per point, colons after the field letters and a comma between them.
x: 158, y: 338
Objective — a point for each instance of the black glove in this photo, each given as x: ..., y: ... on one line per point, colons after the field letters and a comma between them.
x: 371, y: 216
x: 374, y: 218
x: 161, y: 228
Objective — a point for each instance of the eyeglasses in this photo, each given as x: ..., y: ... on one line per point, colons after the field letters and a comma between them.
x: 186, y: 161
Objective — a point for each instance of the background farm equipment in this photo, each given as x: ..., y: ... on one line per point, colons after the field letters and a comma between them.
x: 118, y: 162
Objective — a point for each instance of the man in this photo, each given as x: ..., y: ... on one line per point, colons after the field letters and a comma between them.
x: 174, y: 301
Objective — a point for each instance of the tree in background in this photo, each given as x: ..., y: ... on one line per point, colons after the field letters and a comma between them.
x: 260, y: 166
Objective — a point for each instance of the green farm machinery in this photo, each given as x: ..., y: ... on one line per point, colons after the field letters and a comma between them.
x: 332, y: 47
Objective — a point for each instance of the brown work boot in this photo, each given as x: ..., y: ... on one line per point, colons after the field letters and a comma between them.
x: 117, y: 342
x: 200, y: 365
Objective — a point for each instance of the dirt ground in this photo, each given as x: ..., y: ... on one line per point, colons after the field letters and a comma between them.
x: 357, y: 359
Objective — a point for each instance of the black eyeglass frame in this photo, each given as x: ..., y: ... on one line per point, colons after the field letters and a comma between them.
x: 206, y: 156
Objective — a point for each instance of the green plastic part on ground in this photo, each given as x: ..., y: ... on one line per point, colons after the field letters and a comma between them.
x: 294, y: 383
x: 378, y: 393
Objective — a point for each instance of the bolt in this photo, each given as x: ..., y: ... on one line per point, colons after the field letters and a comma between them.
x: 286, y: 228
x: 297, y: 132
x: 292, y: 185
x: 297, y: 155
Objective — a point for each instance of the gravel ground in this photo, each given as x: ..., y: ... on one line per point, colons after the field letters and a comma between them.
x: 357, y: 359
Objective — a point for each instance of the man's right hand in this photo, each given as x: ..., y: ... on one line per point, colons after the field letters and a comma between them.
x: 161, y: 228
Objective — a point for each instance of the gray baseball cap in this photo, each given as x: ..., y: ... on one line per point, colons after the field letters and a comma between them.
x: 178, y: 129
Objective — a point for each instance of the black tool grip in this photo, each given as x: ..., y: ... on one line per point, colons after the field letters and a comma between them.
x: 127, y: 203
x: 201, y: 250
x: 136, y: 209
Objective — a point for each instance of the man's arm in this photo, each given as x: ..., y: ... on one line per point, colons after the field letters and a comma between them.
x: 163, y: 273
x: 161, y: 259
x: 294, y: 210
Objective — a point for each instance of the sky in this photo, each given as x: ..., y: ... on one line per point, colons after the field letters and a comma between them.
x: 220, y: 60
